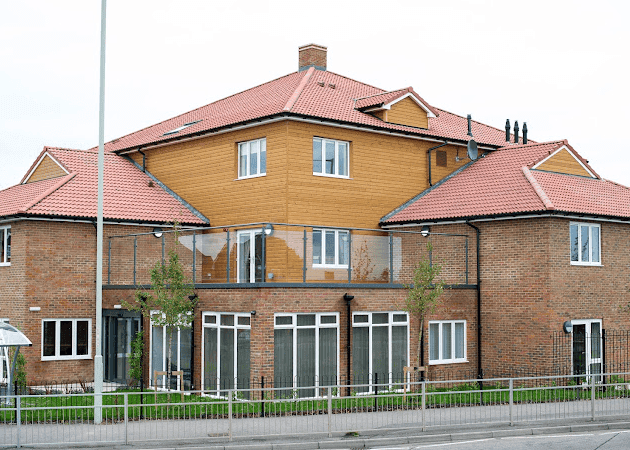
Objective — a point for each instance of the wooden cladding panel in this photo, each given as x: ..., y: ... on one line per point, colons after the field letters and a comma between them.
x: 564, y: 162
x: 407, y: 112
x: 452, y: 153
x: 204, y: 172
x: 46, y: 170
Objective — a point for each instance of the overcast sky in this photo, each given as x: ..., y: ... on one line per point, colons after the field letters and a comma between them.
x: 560, y: 66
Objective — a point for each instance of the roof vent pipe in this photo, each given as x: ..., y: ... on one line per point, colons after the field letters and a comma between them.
x: 507, y: 130
x: 516, y: 131
x: 469, y: 126
x: 524, y: 132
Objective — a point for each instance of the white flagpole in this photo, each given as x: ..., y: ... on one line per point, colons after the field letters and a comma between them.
x: 98, y: 357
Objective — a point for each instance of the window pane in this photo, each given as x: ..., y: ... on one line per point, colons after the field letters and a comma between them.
x: 400, y: 318
x: 595, y: 340
x: 343, y: 158
x: 2, y: 233
x: 329, y: 242
x: 380, y: 355
x: 253, y: 157
x: 360, y: 356
x: 263, y: 156
x: 82, y: 338
x: 227, y: 319
x: 328, y: 319
x: 584, y: 238
x: 157, y: 354
x: 210, y: 358
x: 227, y: 358
x: 343, y: 247
x: 574, y: 243
x: 361, y: 318
x: 327, y: 356
x: 210, y: 319
x: 380, y: 318
x: 283, y: 360
x: 306, y: 319
x: 434, y: 341
x: 185, y: 356
x: 330, y: 157
x: 284, y: 320
x: 459, y: 340
x: 65, y: 338
x: 49, y: 338
x: 243, y: 320
x: 244, y: 257
x: 317, y: 156
x: 399, y: 352
x: 446, y: 341
x: 306, y: 361
x: 243, y: 358
x: 8, y: 245
x: 242, y: 150
x: 317, y: 247
x: 595, y: 243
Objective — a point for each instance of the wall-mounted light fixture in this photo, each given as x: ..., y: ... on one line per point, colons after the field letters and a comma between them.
x: 193, y: 297
x: 268, y: 229
x: 157, y: 232
x: 117, y: 306
x: 253, y: 313
x: 35, y: 308
x: 425, y: 231
x: 567, y: 327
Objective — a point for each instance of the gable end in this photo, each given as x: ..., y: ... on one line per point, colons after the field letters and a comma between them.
x: 46, y: 168
x: 565, y: 162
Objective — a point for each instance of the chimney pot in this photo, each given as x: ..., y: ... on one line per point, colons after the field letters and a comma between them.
x: 469, y: 125
x: 312, y: 55
x: 507, y: 130
x: 524, y: 132
x: 516, y: 131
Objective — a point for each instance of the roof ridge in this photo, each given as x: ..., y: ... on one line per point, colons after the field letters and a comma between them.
x: 533, y: 144
x: 383, y: 93
x: 298, y: 90
x: 49, y: 191
x: 200, y: 107
x: 357, y: 81
x: 540, y: 192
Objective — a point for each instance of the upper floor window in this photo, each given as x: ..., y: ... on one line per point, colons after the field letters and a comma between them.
x: 330, y: 248
x: 330, y: 158
x: 252, y: 158
x: 585, y: 244
x: 5, y: 246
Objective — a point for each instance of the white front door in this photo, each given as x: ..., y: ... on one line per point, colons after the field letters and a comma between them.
x: 587, y: 348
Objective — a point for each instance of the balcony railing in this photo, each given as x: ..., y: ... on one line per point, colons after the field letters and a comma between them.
x: 262, y: 254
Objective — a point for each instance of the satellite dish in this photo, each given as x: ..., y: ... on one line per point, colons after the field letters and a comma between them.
x: 472, y: 150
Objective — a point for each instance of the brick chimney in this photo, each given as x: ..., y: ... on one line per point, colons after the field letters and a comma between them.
x: 312, y: 55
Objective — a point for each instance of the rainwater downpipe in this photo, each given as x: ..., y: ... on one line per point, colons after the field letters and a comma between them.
x: 144, y: 160
x: 479, y: 365
x: 348, y: 298
x: 429, y: 153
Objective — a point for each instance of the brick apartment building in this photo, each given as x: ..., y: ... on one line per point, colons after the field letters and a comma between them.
x: 309, y: 199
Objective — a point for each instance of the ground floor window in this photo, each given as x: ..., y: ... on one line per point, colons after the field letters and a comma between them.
x: 226, y: 351
x: 181, y: 355
x: 306, y: 352
x: 587, y: 348
x: 447, y: 341
x: 380, y: 348
x: 66, y: 339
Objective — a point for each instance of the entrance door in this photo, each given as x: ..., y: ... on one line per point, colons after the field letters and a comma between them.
x: 250, y: 258
x: 587, y: 349
x: 119, y: 329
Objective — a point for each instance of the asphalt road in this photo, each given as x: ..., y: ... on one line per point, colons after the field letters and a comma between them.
x: 604, y: 440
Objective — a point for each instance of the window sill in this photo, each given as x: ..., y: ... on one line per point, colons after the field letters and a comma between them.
x: 328, y: 175
x: 329, y: 266
x: 65, y: 358
x: 447, y: 361
x: 7, y: 264
x: 251, y: 176
x: 577, y: 263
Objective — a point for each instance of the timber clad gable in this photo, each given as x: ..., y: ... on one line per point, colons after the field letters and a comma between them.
x: 46, y: 169
x: 407, y: 112
x: 563, y: 161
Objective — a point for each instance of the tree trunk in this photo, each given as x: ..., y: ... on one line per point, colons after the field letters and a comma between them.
x: 421, y: 343
x: 169, y: 332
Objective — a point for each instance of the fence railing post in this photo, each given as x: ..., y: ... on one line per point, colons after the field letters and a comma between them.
x: 592, y: 396
x: 424, y: 403
x: 126, y: 412
x: 329, y: 411
x: 230, y: 392
x: 511, y: 400
x: 18, y: 418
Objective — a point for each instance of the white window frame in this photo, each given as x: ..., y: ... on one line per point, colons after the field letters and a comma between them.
x: 590, y: 226
x: 452, y: 360
x: 390, y: 323
x: 57, y: 356
x: 6, y: 232
x: 318, y: 325
x: 218, y: 326
x: 336, y: 167
x: 177, y: 343
x: 246, y: 146
x: 252, y: 254
x: 588, y: 350
x: 336, y: 264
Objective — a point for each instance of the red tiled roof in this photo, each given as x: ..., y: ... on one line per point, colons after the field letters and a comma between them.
x: 501, y: 183
x: 314, y: 93
x: 127, y: 194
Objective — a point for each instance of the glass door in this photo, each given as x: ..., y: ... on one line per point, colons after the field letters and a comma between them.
x: 119, y: 329
x: 250, y: 256
x: 587, y: 349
